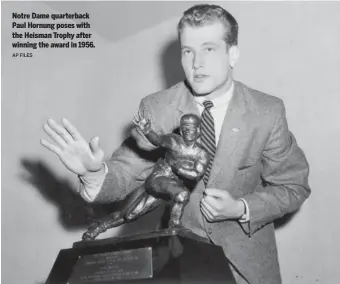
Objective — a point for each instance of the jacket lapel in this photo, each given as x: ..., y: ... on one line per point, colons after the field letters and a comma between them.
x: 234, y: 126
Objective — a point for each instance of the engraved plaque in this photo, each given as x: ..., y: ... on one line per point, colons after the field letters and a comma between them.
x: 113, y: 266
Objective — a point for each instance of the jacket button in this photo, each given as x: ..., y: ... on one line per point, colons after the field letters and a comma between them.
x: 209, y: 231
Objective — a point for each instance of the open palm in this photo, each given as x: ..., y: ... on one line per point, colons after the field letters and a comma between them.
x: 144, y: 124
x: 74, y: 151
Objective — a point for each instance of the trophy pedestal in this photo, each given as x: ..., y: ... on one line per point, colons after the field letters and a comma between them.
x: 167, y: 256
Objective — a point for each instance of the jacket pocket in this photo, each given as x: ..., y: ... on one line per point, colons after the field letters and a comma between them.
x: 244, y: 167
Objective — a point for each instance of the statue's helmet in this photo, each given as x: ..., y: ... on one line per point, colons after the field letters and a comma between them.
x: 191, y: 119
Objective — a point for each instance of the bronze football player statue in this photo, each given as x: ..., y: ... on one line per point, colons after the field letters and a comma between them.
x: 184, y: 159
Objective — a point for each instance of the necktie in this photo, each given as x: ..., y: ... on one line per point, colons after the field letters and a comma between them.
x: 208, y: 136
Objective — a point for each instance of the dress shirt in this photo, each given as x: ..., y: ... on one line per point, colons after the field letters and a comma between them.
x: 218, y: 112
x: 90, y: 184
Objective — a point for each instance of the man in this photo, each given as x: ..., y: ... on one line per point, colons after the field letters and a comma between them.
x: 258, y: 173
x: 184, y: 159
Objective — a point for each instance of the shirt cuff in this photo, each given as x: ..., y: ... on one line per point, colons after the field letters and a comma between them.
x: 91, y: 183
x: 246, y: 216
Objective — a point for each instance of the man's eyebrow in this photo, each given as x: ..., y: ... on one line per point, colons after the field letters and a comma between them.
x: 210, y: 43
x: 203, y: 44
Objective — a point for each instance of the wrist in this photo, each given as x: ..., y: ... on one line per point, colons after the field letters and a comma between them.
x: 240, y: 209
x: 145, y: 132
x: 95, y: 172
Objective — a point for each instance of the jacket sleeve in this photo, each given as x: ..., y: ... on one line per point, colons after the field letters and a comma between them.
x: 128, y: 166
x: 285, y: 172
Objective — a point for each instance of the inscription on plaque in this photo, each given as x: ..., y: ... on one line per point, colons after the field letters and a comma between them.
x: 111, y: 266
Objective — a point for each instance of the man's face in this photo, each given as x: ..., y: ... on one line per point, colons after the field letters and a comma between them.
x: 205, y: 59
x: 189, y: 132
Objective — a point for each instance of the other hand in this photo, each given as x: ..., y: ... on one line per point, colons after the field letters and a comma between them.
x: 218, y: 205
x: 76, y: 154
x: 142, y: 123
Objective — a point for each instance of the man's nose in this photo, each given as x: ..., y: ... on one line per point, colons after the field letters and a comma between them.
x: 198, y: 62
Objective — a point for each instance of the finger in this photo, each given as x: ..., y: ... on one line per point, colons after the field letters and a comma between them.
x: 136, y: 118
x: 209, y: 207
x: 140, y: 115
x: 60, y: 130
x: 94, y: 145
x: 54, y: 136
x: 50, y: 147
x: 214, y: 192
x: 135, y: 122
x: 207, y: 214
x: 71, y: 129
x: 212, y: 200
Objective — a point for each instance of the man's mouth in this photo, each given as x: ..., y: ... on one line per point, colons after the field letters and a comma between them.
x: 200, y: 77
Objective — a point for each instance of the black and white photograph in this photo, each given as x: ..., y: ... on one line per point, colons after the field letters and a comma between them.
x: 170, y: 142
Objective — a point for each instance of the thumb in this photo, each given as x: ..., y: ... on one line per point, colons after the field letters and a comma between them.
x: 214, y: 192
x: 94, y: 145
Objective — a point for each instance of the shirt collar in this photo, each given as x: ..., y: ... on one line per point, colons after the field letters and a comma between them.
x: 219, y: 101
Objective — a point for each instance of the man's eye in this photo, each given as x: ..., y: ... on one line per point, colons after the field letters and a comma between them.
x: 187, y: 51
x: 209, y: 49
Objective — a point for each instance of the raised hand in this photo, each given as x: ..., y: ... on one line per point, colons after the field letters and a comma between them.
x: 142, y: 123
x: 79, y: 156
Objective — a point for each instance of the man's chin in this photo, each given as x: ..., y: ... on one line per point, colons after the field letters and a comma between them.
x: 201, y: 90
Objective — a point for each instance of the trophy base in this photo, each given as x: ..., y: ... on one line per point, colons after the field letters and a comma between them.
x: 168, y: 256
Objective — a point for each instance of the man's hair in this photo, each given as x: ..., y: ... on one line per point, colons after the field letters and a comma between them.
x: 205, y: 14
x: 190, y: 118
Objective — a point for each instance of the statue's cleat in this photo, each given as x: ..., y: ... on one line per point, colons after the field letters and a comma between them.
x: 87, y: 236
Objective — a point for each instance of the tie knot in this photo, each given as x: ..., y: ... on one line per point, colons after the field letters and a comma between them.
x: 208, y: 104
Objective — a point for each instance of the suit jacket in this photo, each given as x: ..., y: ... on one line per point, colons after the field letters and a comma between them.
x: 257, y: 159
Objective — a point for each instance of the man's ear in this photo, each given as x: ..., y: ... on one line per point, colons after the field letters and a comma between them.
x: 234, y: 53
